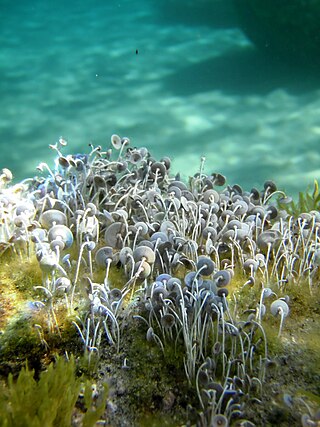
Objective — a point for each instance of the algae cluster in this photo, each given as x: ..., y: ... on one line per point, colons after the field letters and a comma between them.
x: 196, y: 305
x: 50, y: 401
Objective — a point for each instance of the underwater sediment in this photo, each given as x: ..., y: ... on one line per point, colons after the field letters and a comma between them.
x: 192, y: 303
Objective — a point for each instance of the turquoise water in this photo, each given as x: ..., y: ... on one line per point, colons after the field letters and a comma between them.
x: 182, y: 80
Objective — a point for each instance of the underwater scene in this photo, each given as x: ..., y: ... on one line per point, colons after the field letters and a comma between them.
x: 180, y: 77
x: 159, y: 213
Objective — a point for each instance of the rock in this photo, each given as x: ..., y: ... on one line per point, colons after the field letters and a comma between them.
x: 168, y: 401
x: 288, y: 30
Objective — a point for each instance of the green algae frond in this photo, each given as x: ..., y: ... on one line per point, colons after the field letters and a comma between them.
x: 50, y: 401
x: 307, y: 201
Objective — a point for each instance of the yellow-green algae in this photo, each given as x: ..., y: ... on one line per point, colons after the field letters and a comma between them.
x: 17, y: 277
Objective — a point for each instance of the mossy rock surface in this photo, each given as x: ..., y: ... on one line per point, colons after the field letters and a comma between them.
x: 289, y: 30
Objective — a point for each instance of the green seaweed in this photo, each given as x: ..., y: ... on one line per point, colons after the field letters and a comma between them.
x: 307, y: 201
x: 50, y: 401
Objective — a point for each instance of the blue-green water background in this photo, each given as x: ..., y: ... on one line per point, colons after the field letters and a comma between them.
x: 182, y: 81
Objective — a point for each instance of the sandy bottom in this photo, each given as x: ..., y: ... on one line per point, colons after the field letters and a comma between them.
x: 182, y: 89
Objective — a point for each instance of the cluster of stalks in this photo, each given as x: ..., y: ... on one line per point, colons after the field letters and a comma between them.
x: 179, y: 247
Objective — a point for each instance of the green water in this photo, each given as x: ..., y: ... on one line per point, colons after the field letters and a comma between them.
x: 179, y: 78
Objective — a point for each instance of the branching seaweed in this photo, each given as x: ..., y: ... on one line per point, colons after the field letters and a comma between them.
x: 48, y: 402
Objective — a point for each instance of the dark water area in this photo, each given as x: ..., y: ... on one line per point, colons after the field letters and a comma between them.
x: 181, y: 79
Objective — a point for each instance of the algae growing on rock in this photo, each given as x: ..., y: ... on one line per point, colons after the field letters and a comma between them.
x: 193, y: 301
